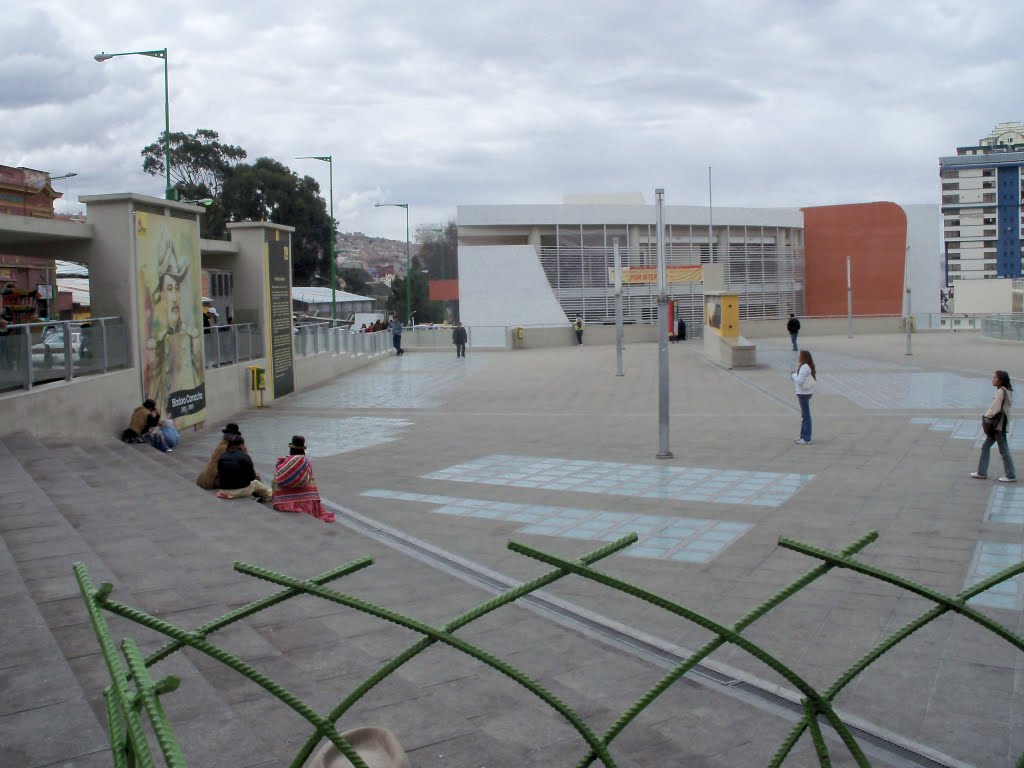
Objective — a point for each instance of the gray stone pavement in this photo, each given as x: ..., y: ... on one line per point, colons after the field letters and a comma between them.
x: 551, y: 449
x: 875, y: 465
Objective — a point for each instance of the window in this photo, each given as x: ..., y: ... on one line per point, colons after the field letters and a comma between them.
x: 952, y: 222
x: 947, y: 174
x: 949, y: 185
x: 953, y: 233
x: 952, y: 199
x: 988, y: 172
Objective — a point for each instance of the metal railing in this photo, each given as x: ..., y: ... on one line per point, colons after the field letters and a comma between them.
x: 133, y: 693
x: 320, y: 338
x: 38, y: 353
x: 1004, y: 327
x: 231, y: 344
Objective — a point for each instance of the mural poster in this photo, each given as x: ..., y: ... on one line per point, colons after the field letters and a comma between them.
x: 170, y: 322
x: 279, y: 304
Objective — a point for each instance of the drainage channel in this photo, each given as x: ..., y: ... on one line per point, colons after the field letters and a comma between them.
x: 885, y: 747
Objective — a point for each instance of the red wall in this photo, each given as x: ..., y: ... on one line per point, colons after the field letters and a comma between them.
x: 874, y: 236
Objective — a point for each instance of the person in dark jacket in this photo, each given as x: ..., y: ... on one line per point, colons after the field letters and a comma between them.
x: 237, y: 475
x: 793, y: 326
x: 681, y: 330
x: 459, y: 339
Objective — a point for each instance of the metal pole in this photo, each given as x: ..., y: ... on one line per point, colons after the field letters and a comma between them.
x: 849, y: 301
x: 334, y: 313
x: 618, y: 307
x: 663, y: 449
x: 910, y: 314
x: 408, y: 268
x: 168, y: 192
x: 711, y: 222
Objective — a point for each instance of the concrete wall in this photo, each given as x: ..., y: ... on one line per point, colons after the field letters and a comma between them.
x: 535, y: 338
x: 983, y: 296
x: 874, y: 237
x: 505, y: 285
x: 821, y: 326
x: 94, y: 407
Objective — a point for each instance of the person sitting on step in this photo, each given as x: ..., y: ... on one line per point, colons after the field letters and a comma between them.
x: 237, y: 475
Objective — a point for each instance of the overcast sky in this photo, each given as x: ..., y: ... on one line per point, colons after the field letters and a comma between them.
x: 439, y: 104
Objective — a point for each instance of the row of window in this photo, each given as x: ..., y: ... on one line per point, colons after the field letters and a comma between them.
x: 948, y: 173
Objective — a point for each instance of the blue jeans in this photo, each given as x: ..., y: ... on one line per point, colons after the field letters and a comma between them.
x: 805, y: 417
x: 1004, y: 451
x: 793, y: 337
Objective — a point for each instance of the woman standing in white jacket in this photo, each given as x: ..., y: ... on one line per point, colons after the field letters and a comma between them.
x: 1000, y: 411
x: 804, y: 378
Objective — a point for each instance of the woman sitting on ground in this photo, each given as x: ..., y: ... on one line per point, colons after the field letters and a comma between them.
x: 207, y: 479
x: 144, y: 427
x: 294, y: 485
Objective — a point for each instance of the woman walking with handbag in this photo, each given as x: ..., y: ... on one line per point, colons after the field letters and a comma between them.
x: 996, y: 423
x: 804, y: 378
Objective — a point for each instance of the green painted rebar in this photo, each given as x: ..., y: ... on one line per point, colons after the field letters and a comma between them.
x: 946, y: 605
x: 448, y: 639
x: 711, y: 646
x: 953, y: 604
x: 137, y: 745
x: 820, y: 748
x: 116, y: 732
x: 323, y: 727
x: 802, y: 685
x: 457, y: 623
x: 256, y: 606
x: 148, y: 691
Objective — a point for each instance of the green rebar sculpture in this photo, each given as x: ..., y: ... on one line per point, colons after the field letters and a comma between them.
x: 133, y: 692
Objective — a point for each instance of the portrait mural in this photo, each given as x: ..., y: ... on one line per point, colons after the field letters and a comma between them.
x: 170, y: 322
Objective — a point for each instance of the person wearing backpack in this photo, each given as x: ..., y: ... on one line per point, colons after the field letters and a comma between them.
x: 999, y: 415
x: 793, y: 327
x: 804, y: 378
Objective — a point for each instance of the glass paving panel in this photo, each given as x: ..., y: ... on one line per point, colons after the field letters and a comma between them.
x: 411, y: 381
x: 660, y: 538
x: 268, y: 438
x: 1006, y: 505
x: 991, y: 557
x: 722, y: 486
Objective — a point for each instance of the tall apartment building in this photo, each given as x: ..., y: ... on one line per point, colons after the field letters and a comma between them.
x: 981, y: 206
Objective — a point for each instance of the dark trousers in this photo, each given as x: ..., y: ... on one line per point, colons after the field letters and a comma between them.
x: 579, y: 337
x: 460, y: 350
x: 793, y: 337
x: 396, y: 340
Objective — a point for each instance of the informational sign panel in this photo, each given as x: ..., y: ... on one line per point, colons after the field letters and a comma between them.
x: 170, y: 322
x: 650, y: 275
x: 279, y: 307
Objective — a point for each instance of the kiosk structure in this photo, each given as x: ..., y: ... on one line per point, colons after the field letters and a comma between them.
x: 722, y: 340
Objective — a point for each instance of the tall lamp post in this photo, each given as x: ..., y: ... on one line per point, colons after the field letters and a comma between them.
x: 329, y: 159
x: 161, y: 54
x: 408, y: 260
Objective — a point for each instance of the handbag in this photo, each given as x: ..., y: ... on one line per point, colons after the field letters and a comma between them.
x: 988, y: 425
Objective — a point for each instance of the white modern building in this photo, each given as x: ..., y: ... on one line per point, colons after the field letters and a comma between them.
x: 523, y: 265
x: 981, y: 206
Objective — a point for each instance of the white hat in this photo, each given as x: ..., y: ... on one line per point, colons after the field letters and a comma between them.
x: 377, y: 746
x: 213, y: 311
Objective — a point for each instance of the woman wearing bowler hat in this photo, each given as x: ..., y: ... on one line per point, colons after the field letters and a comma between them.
x: 294, y: 485
x: 207, y: 479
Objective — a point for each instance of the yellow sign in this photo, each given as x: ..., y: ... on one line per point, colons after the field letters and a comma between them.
x: 650, y: 275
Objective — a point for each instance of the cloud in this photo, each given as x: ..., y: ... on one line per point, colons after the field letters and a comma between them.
x: 796, y: 102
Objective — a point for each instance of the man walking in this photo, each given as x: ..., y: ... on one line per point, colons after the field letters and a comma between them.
x: 396, y: 334
x: 459, y: 338
x: 793, y: 326
x: 578, y: 327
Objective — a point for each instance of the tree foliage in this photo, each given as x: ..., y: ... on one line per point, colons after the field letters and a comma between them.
x: 425, y: 310
x: 354, y: 280
x: 439, y: 248
x: 199, y: 162
x: 201, y: 167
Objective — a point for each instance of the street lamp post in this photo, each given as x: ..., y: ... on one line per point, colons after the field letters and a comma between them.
x: 408, y: 260
x: 329, y: 159
x: 161, y: 54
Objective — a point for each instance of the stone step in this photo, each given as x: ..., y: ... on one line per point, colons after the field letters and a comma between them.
x: 80, y: 522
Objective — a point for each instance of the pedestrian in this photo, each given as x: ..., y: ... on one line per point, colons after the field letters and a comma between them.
x: 578, y: 327
x: 396, y: 334
x: 804, y: 377
x: 999, y: 413
x: 208, y: 477
x: 237, y: 475
x: 294, y: 484
x: 459, y: 338
x: 793, y: 326
x: 681, y: 330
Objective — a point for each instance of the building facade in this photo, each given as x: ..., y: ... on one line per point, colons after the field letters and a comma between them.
x: 523, y: 265
x: 981, y: 206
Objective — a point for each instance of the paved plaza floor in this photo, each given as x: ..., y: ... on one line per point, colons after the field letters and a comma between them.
x: 550, y: 448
